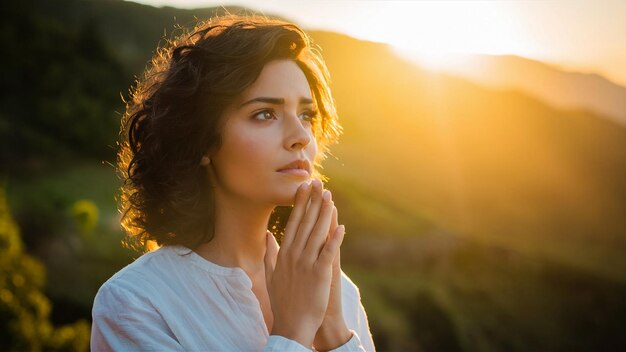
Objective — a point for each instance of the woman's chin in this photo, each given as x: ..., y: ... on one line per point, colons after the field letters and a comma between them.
x: 288, y: 195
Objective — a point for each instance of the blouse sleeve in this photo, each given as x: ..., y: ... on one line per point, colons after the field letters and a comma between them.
x: 276, y: 343
x: 123, y: 322
x: 361, y: 337
x: 364, y: 329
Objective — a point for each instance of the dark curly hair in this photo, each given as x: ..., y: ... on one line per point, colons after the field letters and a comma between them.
x: 174, y: 114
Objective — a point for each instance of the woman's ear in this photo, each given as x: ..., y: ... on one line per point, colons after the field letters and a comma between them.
x: 205, y: 161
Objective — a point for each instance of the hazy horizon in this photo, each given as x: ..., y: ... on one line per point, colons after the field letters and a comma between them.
x: 583, y: 36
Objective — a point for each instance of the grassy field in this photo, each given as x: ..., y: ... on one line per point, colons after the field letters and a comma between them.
x: 77, y: 261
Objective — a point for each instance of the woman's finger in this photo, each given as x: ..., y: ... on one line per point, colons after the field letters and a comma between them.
x: 310, y: 218
x: 333, y: 223
x: 300, y: 204
x: 333, y: 226
x: 319, y: 234
x: 271, y: 252
x: 330, y: 249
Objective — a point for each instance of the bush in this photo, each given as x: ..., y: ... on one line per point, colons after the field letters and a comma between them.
x: 24, y: 309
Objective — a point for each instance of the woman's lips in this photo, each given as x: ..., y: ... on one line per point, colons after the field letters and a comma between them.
x: 298, y: 168
x: 295, y: 172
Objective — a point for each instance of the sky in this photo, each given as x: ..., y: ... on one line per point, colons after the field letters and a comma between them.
x: 578, y: 35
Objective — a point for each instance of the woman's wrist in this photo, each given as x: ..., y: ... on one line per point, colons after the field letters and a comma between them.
x: 332, y: 335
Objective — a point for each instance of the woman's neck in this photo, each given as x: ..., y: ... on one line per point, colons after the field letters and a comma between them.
x: 240, y: 236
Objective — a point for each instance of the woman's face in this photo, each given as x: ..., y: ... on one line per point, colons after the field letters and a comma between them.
x: 265, y: 131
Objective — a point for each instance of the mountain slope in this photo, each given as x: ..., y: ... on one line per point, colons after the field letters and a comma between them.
x: 562, y: 89
x: 497, y: 164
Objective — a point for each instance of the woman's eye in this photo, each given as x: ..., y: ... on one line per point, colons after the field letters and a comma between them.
x: 309, y: 115
x: 264, y: 115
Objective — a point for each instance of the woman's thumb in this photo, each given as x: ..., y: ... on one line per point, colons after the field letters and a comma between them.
x: 271, y: 253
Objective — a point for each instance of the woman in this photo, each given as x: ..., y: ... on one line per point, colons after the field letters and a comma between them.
x: 229, y: 122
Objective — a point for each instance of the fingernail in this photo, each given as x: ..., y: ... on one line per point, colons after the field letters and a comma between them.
x: 326, y: 195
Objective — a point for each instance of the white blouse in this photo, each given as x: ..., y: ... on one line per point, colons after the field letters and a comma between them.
x: 173, y: 299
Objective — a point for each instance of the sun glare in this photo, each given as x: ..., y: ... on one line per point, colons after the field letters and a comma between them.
x: 439, y: 34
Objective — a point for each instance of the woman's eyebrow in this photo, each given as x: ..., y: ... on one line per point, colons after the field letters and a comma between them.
x: 275, y: 101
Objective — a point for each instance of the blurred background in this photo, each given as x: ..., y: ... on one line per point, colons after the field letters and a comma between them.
x: 481, y: 175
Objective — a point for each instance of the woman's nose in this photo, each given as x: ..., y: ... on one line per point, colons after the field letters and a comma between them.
x: 298, y: 134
